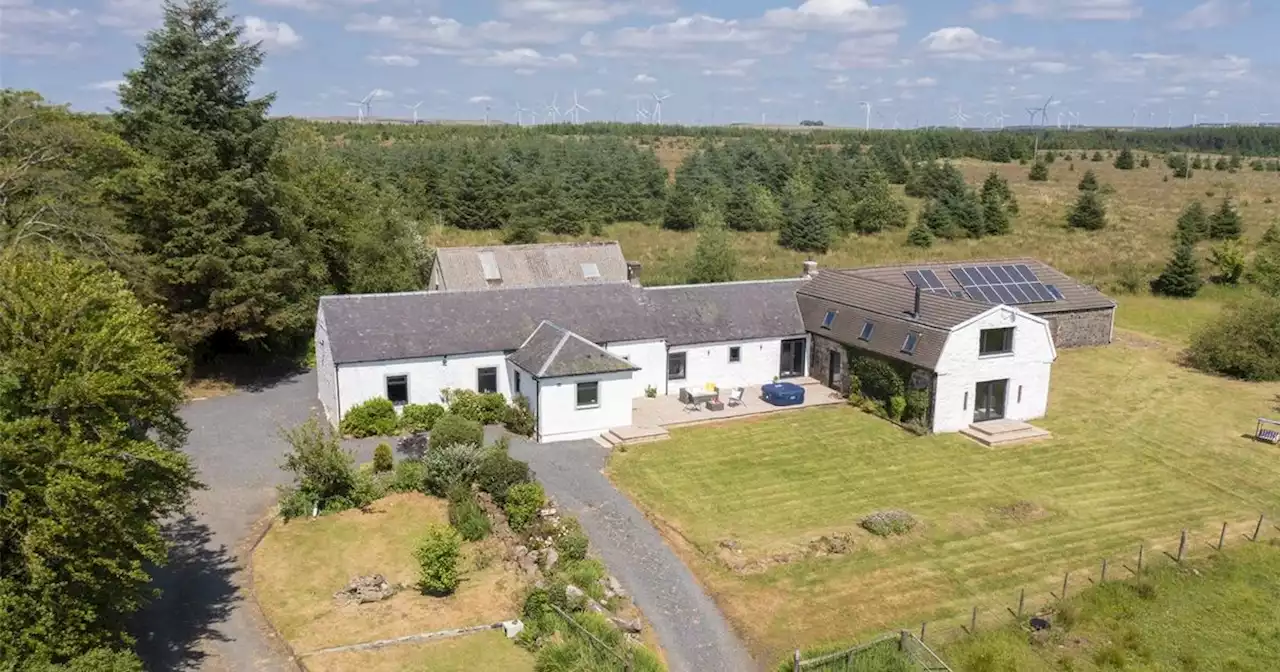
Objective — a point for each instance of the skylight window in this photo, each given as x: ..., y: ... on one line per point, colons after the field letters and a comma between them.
x: 489, y: 265
x: 829, y: 319
x: 868, y: 328
x: 590, y: 271
x: 909, y: 345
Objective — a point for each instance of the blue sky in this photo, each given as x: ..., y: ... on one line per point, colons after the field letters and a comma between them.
x: 914, y: 61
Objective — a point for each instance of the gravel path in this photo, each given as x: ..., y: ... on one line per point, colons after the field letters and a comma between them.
x: 693, y: 632
x: 203, y: 620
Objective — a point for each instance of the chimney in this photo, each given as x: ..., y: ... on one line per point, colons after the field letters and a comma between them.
x: 915, y: 310
x: 810, y: 269
x: 633, y: 273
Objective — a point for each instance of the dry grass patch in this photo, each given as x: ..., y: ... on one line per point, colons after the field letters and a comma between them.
x: 484, y: 651
x: 300, y: 564
x: 1141, y: 448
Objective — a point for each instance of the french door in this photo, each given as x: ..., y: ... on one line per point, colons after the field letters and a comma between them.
x: 791, y: 364
x: 989, y: 400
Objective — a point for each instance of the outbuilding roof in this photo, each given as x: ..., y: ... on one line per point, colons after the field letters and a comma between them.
x: 540, y: 265
x: 554, y: 352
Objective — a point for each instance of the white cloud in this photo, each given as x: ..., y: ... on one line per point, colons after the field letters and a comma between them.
x: 847, y: 16
x: 111, y: 85
x: 918, y: 83
x: 440, y: 35
x: 1083, y: 10
x: 965, y: 44
x: 398, y: 60
x: 524, y: 58
x: 314, y: 5
x: 381, y: 93
x: 871, y: 51
x: 272, y: 34
x: 480, y: 99
x: 642, y: 78
x: 1173, y: 91
x: 837, y: 83
x: 1173, y: 68
x: 27, y: 30
x: 580, y: 12
x: 131, y: 16
x: 737, y: 68
x: 684, y: 31
x: 594, y: 93
x: 1212, y: 14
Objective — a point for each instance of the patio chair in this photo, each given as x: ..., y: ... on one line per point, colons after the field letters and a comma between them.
x: 735, y: 397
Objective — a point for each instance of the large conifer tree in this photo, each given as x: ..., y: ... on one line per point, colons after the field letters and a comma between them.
x: 223, y: 259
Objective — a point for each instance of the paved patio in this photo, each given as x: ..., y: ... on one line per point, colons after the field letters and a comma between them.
x: 670, y: 411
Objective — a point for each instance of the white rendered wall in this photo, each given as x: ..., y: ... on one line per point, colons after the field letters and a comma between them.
x: 528, y: 386
x: 326, y: 374
x: 651, y: 357
x: 960, y: 369
x: 427, y: 376
x: 709, y: 363
x: 561, y: 420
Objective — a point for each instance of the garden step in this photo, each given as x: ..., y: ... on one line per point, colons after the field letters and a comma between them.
x: 1003, y: 432
x: 627, y: 436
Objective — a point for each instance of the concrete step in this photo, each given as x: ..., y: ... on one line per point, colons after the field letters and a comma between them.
x: 603, y: 442
x: 629, y: 436
x: 1027, y: 433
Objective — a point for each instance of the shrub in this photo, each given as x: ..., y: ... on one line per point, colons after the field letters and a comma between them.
x: 454, y: 429
x: 498, y: 472
x: 1225, y: 223
x: 572, y: 543
x: 414, y: 446
x: 1145, y: 162
x: 888, y: 523
x: 917, y: 408
x: 896, y: 407
x: 486, y: 409
x: 523, y: 502
x: 1039, y: 172
x: 382, y: 460
x: 455, y: 464
x: 322, y: 469
x: 1181, y: 276
x: 295, y: 503
x: 1228, y: 258
x: 465, y: 514
x: 1193, y: 223
x: 878, y: 379
x: 1244, y: 342
x: 920, y: 236
x: 369, y: 488
x: 1089, y: 182
x: 1097, y: 156
x: 1124, y: 160
x: 651, y: 392
x: 518, y: 419
x: 1088, y: 213
x: 408, y: 476
x: 416, y: 418
x: 375, y: 417
x: 437, y: 555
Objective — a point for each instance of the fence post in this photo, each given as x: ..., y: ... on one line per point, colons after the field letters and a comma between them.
x: 1222, y: 537
x: 795, y: 664
x: 1140, y: 546
x: 902, y: 641
x: 1103, y: 578
x: 1258, y: 529
x: 922, y: 631
x: 1022, y: 597
x: 973, y: 621
x: 1066, y: 576
x: 1182, y: 546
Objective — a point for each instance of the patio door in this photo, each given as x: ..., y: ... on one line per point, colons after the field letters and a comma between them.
x: 791, y: 364
x: 834, y: 376
x: 989, y: 400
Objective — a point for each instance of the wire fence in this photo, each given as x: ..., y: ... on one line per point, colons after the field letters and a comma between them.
x: 625, y: 659
x: 907, y: 651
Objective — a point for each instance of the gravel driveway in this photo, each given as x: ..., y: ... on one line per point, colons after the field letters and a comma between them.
x: 203, y: 621
x: 692, y: 630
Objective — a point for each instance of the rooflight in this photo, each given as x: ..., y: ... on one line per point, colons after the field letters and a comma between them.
x: 830, y: 317
x: 590, y: 270
x: 909, y: 345
x: 489, y: 265
x: 867, y: 328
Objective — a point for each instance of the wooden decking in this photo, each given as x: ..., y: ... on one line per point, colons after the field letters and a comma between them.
x: 1003, y: 432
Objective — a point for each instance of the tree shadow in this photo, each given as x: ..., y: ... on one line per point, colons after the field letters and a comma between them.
x: 197, y: 593
x: 251, y: 373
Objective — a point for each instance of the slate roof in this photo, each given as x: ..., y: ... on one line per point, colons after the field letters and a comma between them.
x: 461, y: 268
x: 1075, y: 296
x: 857, y: 300
x: 377, y: 327
x: 554, y: 352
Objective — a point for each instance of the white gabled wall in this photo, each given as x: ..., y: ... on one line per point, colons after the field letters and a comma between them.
x: 326, y: 374
x: 651, y: 357
x: 709, y: 363
x: 427, y: 376
x: 960, y: 369
x: 561, y: 420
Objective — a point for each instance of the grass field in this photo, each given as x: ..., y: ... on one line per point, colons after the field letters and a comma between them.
x: 1141, y: 448
x: 1222, y: 613
x: 1142, y: 213
x: 485, y: 651
x: 300, y: 565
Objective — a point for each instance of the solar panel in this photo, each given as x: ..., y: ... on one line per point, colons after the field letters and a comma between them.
x: 932, y: 279
x: 916, y: 279
x: 1009, y: 284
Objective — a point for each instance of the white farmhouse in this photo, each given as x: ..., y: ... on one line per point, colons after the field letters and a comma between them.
x: 980, y: 337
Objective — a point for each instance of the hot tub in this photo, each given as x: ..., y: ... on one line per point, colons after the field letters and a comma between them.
x: 783, y: 394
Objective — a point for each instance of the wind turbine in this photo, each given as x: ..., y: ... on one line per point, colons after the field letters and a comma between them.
x: 1134, y: 123
x: 576, y: 107
x: 486, y: 114
x: 986, y: 119
x: 1032, y: 111
x: 1225, y: 121
x: 552, y: 111
x: 520, y: 110
x: 642, y: 115
x: 367, y: 101
x: 1075, y: 119
x: 959, y: 116
x: 867, y: 105
x: 1001, y: 117
x: 414, y: 107
x: 359, y: 111
x: 657, y: 106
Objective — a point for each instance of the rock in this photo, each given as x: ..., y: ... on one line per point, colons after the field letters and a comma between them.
x: 365, y: 589
x: 574, y: 593
x: 592, y: 605
x: 626, y: 625
x: 551, y: 559
x: 615, y: 586
x: 547, y: 512
x: 521, y: 551
x: 728, y: 544
x: 512, y: 628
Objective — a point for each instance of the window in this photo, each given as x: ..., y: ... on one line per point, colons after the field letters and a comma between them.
x: 588, y: 395
x: 590, y: 271
x: 995, y: 341
x: 517, y: 382
x: 965, y: 407
x: 867, y: 328
x: 909, y: 345
x: 1019, y: 394
x: 675, y: 366
x: 487, y: 380
x: 735, y: 354
x: 398, y: 389
x: 830, y: 317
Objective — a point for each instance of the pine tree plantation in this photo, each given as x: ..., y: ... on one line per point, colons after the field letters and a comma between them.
x: 1181, y: 276
x: 1225, y: 223
x: 1089, y: 182
x: 1124, y: 160
x: 1039, y: 172
x: 714, y: 259
x: 1088, y: 213
x: 1193, y: 223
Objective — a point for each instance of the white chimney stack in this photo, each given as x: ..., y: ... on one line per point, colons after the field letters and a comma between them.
x: 810, y: 269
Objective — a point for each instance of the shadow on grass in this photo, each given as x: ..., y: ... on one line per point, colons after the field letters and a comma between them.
x: 197, y: 594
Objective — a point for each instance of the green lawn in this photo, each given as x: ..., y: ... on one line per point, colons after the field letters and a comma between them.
x: 1219, y: 614
x: 486, y: 651
x: 1173, y: 320
x: 1141, y: 449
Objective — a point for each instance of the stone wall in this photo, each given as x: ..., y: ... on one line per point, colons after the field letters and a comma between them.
x: 820, y: 359
x: 1082, y: 328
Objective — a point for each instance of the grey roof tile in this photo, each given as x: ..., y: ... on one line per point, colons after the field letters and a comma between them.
x: 729, y: 311
x: 462, y: 268
x: 554, y: 352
